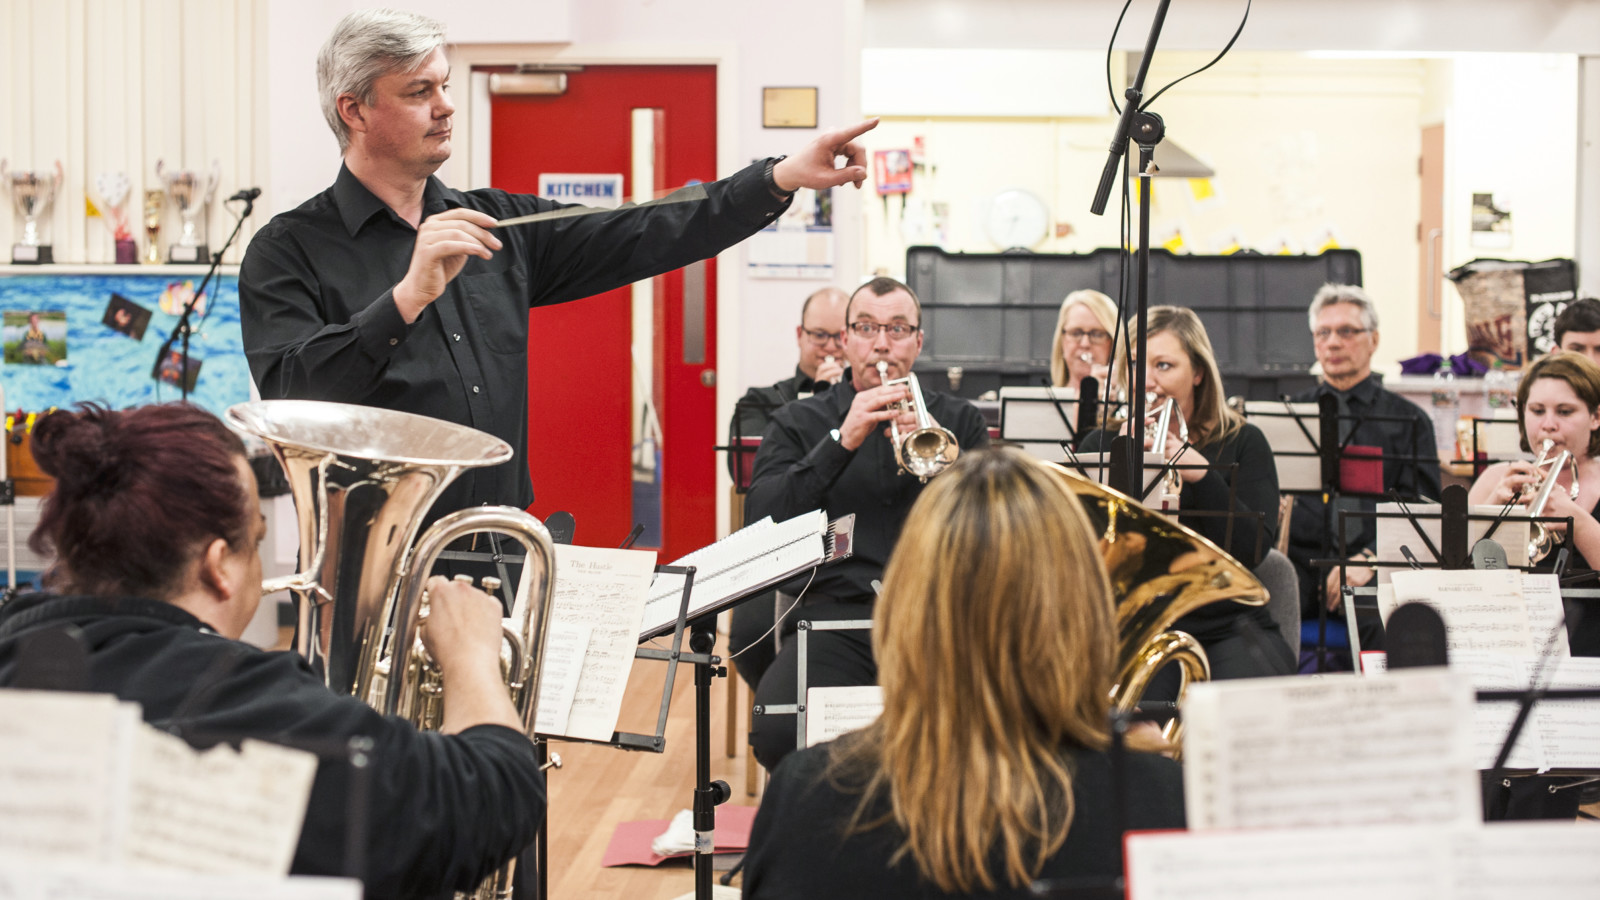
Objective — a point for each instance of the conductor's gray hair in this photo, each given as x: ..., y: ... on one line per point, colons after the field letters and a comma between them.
x: 364, y: 47
x: 1345, y: 293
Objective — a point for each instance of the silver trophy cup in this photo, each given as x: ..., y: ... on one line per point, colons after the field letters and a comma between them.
x: 32, y: 194
x: 191, y: 194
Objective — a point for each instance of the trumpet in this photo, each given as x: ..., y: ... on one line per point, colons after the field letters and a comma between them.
x: 1158, y: 432
x: 926, y: 450
x: 1546, y: 473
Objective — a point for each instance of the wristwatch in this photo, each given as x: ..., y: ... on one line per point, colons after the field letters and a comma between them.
x: 771, y: 181
x: 837, y: 437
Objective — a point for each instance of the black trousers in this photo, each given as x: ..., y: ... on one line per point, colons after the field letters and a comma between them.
x: 1236, y: 655
x: 833, y: 659
x: 749, y: 641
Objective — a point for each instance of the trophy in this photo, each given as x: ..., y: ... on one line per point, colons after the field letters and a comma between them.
x: 191, y: 194
x: 153, y: 203
x: 31, y: 194
x: 114, y: 188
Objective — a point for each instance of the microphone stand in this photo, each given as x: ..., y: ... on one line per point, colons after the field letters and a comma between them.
x: 1145, y: 129
x: 183, y: 327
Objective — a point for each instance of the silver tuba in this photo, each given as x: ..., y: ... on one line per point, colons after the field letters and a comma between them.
x: 1536, y: 494
x: 363, y: 479
x: 928, y: 449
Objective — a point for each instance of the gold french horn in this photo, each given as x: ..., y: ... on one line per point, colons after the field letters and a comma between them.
x: 1160, y: 571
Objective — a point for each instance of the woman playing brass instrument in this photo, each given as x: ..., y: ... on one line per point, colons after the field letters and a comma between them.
x: 1559, y: 399
x: 1085, y: 332
x: 155, y: 525
x: 988, y: 767
x: 1182, y: 367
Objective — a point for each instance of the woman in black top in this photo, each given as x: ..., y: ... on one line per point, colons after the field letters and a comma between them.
x: 1241, y: 476
x: 987, y: 768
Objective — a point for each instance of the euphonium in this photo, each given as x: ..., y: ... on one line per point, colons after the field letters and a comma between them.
x: 1160, y: 571
x: 362, y: 481
x: 1547, y: 472
x: 928, y: 449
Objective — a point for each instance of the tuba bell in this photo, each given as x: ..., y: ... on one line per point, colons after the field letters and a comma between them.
x: 1536, y: 494
x: 1160, y: 571
x: 928, y: 449
x: 362, y: 480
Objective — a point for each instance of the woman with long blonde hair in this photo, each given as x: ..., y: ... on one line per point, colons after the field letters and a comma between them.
x: 988, y: 768
x: 1226, y: 467
x: 1086, y: 329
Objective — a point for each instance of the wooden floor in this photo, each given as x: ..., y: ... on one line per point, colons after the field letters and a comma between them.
x: 599, y: 787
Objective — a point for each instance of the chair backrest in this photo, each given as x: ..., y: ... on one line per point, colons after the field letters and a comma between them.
x: 1277, y: 574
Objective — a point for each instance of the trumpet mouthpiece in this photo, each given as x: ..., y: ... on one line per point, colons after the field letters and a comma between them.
x: 883, y: 369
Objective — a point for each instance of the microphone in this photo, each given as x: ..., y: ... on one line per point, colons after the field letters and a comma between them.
x: 561, y: 526
x: 248, y: 195
x: 1088, y: 397
x: 1416, y: 637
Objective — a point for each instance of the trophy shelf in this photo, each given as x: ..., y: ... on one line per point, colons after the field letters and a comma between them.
x: 196, y: 269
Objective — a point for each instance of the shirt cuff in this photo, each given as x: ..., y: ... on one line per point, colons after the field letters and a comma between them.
x: 748, y: 190
x: 380, y: 328
x: 829, y: 457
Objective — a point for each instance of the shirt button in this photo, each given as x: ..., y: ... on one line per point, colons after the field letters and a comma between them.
x: 394, y: 342
x: 456, y: 336
x: 475, y: 389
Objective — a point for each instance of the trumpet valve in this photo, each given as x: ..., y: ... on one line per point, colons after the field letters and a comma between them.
x: 491, y: 585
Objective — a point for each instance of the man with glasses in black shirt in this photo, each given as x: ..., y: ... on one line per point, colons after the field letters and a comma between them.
x: 832, y: 451
x: 391, y: 290
x: 1344, y: 331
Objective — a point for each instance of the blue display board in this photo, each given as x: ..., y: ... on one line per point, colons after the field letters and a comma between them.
x: 109, y: 365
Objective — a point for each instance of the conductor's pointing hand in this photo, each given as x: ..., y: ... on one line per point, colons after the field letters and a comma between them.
x: 816, y: 165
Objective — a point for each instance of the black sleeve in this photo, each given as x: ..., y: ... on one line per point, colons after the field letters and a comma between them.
x: 292, y: 347
x: 793, y: 471
x: 1255, y: 489
x: 1423, y: 476
x: 970, y: 429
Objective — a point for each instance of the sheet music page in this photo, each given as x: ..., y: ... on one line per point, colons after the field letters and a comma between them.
x: 1511, y: 534
x: 832, y: 711
x: 55, y: 882
x: 1546, y: 615
x: 1570, y: 729
x: 60, y: 777
x: 1482, y: 610
x: 564, y: 646
x: 1371, y: 863
x: 730, y: 567
x: 1544, y: 860
x: 1299, y: 466
x: 1292, y: 752
x: 220, y: 810
x: 604, y: 590
x: 1491, y: 720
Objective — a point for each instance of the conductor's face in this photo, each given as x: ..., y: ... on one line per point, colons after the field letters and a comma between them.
x: 409, y: 121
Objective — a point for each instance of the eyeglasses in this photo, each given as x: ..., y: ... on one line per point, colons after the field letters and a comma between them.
x: 1095, y: 336
x: 1345, y: 333
x: 819, y: 336
x: 897, y: 330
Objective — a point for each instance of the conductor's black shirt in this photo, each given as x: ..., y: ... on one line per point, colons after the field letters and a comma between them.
x: 319, y: 321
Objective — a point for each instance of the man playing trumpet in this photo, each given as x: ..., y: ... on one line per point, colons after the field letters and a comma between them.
x: 833, y: 451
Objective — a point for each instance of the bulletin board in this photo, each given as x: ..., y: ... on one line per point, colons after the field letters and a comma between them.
x: 102, y: 333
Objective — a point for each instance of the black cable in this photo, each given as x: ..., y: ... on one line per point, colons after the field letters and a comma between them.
x: 1110, y: 51
x: 1236, y: 33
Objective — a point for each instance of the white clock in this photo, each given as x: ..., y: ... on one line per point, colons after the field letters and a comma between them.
x: 1017, y: 218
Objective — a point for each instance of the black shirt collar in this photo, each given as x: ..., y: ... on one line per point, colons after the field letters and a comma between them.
x: 357, y: 205
x: 31, y: 610
x: 1366, y: 390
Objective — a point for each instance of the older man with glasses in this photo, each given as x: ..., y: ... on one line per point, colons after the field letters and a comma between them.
x: 832, y: 451
x: 1344, y: 329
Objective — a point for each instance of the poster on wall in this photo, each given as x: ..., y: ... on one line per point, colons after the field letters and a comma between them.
x: 114, y: 325
x: 799, y: 245
x: 1491, y: 221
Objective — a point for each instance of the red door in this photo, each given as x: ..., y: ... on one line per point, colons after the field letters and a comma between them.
x: 581, y: 417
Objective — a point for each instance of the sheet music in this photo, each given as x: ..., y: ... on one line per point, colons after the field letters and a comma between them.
x: 1546, y: 616
x: 833, y: 711
x: 1570, y: 729
x: 1512, y: 534
x: 564, y: 646
x: 1543, y: 860
x: 63, y: 763
x: 29, y: 881
x: 1491, y: 721
x: 1287, y: 752
x: 603, y: 590
x: 1482, y: 610
x: 220, y: 810
x: 1285, y: 426
x: 732, y: 566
